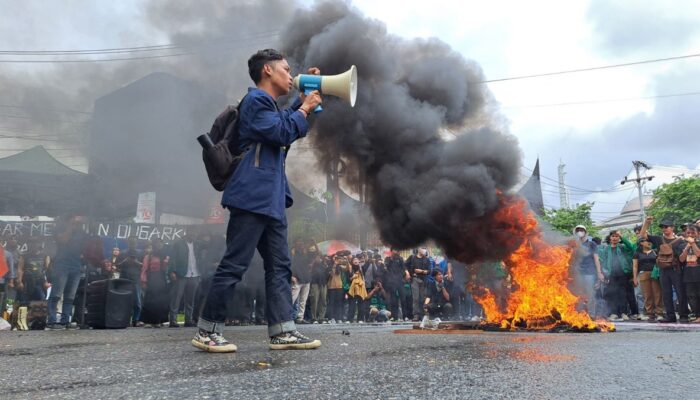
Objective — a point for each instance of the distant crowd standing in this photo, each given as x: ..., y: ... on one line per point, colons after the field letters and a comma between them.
x: 662, y: 268
x: 172, y: 279
x: 653, y: 278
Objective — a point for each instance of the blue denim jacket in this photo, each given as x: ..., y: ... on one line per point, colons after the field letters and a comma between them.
x: 259, y: 184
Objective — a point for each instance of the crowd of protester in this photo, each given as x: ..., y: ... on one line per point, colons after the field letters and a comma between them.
x: 648, y: 277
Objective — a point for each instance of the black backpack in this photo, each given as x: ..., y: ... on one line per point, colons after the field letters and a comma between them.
x: 221, y: 147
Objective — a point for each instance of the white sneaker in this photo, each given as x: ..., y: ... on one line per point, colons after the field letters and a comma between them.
x: 332, y: 321
x: 644, y: 318
x: 424, y: 322
x: 625, y: 317
x: 475, y: 318
x: 613, y: 317
x: 360, y: 322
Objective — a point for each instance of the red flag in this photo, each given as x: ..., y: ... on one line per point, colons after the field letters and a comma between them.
x: 3, y: 263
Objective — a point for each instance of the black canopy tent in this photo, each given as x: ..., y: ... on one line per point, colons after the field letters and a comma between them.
x: 34, y: 183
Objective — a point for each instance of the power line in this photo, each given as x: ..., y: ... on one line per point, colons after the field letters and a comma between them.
x: 570, y: 71
x: 43, y: 119
x: 43, y: 109
x: 578, y: 189
x: 241, y: 41
x: 73, y: 149
x: 574, y: 103
x: 40, y: 139
x: 23, y: 134
x: 166, y: 46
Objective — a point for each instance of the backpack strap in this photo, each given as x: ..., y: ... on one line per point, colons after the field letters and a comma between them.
x: 233, y: 124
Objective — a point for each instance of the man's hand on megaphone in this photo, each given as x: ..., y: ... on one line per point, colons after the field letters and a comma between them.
x: 314, y: 71
x: 310, y: 101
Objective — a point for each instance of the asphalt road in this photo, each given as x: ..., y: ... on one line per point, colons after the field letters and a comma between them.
x: 640, y: 361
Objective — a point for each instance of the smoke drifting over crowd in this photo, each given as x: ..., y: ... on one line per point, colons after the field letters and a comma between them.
x: 421, y: 187
x: 411, y: 93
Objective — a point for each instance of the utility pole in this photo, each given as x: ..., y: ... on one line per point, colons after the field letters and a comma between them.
x: 639, y: 181
x: 563, y: 194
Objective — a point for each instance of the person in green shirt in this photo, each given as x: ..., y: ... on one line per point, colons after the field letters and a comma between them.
x: 377, y: 302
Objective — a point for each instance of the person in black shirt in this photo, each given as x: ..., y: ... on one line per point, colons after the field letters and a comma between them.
x: 437, y: 299
x: 672, y: 276
x: 418, y: 268
x: 394, y: 282
x: 643, y: 263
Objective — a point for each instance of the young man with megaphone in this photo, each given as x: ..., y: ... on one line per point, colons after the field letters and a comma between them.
x: 256, y: 196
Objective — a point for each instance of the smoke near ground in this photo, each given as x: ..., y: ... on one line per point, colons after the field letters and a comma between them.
x: 412, y: 92
x: 421, y: 187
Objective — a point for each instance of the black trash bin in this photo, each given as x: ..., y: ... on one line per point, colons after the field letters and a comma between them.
x: 110, y: 303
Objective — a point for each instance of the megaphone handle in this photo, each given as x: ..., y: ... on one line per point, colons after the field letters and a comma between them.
x: 318, y: 108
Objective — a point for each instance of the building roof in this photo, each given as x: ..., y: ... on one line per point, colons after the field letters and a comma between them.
x: 629, y: 216
x: 532, y: 190
x: 34, y: 183
x: 36, y: 161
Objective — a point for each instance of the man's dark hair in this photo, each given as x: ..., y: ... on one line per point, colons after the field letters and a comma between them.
x: 259, y: 59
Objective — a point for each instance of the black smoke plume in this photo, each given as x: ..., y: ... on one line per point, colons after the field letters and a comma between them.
x: 412, y: 93
x: 421, y: 187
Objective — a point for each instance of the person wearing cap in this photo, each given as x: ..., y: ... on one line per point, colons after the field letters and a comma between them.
x: 671, y: 277
x: 643, y: 263
x: 586, y: 262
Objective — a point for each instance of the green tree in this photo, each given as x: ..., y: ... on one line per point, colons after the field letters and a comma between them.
x: 307, y: 224
x: 565, y: 219
x: 678, y: 201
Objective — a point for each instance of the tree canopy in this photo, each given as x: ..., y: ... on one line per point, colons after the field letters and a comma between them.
x: 678, y: 201
x: 565, y: 219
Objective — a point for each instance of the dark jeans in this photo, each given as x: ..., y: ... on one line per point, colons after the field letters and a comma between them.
x: 392, y: 290
x: 616, y: 294
x: 631, y: 297
x: 356, y: 308
x: 672, y: 279
x: 406, y: 301
x: 64, y: 283
x: 201, y: 296
x: 335, y: 304
x: 247, y: 231
x: 32, y: 292
x: 693, y: 292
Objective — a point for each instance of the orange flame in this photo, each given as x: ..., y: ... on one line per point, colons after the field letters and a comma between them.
x: 541, y: 298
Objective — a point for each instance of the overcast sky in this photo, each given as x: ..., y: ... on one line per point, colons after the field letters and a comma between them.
x: 622, y: 119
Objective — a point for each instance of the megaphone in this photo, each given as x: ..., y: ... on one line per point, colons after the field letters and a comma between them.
x: 342, y: 85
